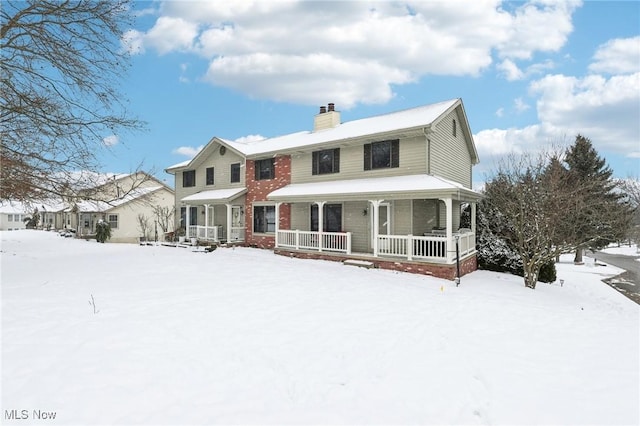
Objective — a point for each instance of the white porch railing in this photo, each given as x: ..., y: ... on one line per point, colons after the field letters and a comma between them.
x: 466, y: 243
x: 208, y: 233
x: 434, y: 248
x: 310, y: 240
x: 237, y: 234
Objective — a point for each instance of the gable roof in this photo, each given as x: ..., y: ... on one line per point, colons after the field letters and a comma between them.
x: 413, y: 119
x: 102, y: 206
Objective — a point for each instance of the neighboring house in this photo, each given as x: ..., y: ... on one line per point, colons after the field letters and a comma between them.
x: 14, y: 213
x: 119, y: 200
x: 386, y: 191
x: 116, y: 199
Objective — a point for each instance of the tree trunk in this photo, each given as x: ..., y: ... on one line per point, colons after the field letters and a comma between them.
x: 578, y: 259
x: 531, y: 273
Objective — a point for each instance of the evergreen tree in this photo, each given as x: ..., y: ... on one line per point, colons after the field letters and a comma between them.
x: 103, y: 231
x: 602, y: 213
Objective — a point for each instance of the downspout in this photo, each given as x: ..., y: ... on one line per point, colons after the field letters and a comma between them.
x: 427, y: 131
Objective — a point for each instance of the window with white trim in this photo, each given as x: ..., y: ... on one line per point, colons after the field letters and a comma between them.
x: 382, y: 155
x: 112, y: 219
x: 264, y: 219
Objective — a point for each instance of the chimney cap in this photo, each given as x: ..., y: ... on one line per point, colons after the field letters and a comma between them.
x: 323, y: 109
x: 331, y: 106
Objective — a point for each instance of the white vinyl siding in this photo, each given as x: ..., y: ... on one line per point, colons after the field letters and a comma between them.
x: 412, y: 161
x: 450, y: 156
x: 222, y: 167
x: 358, y: 224
x: 401, y: 217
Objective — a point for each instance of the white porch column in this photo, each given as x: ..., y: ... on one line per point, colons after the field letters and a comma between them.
x: 320, y: 223
x: 448, y: 202
x: 229, y: 221
x: 187, y: 220
x: 277, y: 222
x: 206, y: 221
x: 375, y: 204
x: 473, y: 217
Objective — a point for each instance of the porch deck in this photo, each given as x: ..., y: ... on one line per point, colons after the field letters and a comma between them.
x: 433, y: 248
x: 215, y: 233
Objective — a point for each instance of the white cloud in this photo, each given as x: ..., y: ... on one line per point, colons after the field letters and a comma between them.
x: 250, y: 138
x: 188, y: 151
x: 538, y: 26
x: 520, y: 105
x: 604, y: 110
x: 111, y: 140
x: 183, y: 70
x: 500, y: 112
x: 352, y: 52
x: 132, y: 41
x: 618, y: 56
x: 510, y: 70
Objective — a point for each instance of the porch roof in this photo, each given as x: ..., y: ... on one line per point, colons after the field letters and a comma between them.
x: 386, y: 188
x: 216, y: 196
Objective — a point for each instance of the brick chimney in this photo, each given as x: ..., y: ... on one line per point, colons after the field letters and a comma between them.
x: 327, y: 118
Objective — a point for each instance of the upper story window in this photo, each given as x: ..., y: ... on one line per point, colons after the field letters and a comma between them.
x: 188, y: 178
x: 265, y: 169
x: 326, y: 161
x: 382, y: 155
x: 235, y: 172
x: 210, y: 176
x: 455, y: 128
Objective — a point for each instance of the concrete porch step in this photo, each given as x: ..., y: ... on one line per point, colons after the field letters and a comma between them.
x: 359, y: 263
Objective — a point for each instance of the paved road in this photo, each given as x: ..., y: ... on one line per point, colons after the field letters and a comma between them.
x: 627, y: 283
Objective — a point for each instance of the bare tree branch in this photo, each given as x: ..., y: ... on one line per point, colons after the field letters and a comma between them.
x: 61, y: 65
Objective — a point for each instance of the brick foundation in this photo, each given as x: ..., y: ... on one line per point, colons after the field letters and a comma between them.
x: 447, y: 272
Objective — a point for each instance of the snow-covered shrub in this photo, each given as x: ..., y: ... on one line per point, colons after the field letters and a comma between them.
x: 103, y: 231
x: 494, y: 254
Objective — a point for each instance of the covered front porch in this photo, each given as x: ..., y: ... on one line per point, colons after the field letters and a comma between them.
x: 214, y: 215
x: 400, y: 219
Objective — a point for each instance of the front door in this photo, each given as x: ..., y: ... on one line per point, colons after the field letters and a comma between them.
x: 384, y: 220
x: 237, y: 223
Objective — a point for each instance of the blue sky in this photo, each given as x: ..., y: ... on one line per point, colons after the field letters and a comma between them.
x: 530, y: 74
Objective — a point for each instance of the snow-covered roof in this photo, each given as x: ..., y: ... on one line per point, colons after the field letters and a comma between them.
x: 407, y: 119
x: 181, y: 164
x: 422, y: 116
x: 102, y: 206
x: 216, y: 195
x: 394, y: 187
x: 12, y: 207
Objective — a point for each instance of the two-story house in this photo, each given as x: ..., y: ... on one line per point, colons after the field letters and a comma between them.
x: 386, y: 190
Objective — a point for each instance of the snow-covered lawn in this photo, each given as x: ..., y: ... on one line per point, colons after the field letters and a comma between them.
x: 243, y: 336
x: 626, y: 250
